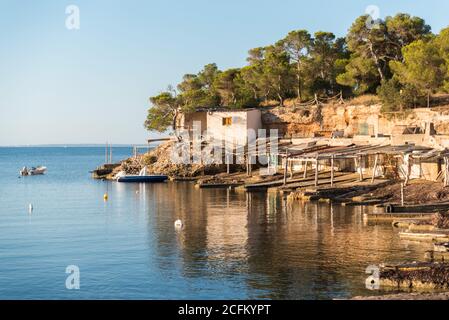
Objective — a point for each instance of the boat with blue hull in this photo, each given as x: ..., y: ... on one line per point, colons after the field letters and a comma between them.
x: 142, y: 177
x: 136, y: 178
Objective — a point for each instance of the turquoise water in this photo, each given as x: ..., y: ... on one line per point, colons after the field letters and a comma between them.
x: 233, y: 245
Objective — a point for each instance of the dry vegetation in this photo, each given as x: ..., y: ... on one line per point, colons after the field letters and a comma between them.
x: 367, y: 100
x: 417, y: 192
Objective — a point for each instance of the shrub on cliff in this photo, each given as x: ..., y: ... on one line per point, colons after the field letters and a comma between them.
x: 396, y: 97
x: 390, y: 95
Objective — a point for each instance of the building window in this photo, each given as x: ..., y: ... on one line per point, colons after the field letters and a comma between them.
x: 227, y: 121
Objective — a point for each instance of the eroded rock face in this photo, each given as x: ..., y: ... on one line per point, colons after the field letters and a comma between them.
x: 352, y: 119
x: 305, y: 121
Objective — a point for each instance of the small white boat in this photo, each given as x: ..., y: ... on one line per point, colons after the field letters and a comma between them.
x: 33, y: 171
x: 143, y: 176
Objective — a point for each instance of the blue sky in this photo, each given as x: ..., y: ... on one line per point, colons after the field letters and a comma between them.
x: 92, y: 85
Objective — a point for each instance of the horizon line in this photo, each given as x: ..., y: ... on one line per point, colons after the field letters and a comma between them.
x: 71, y: 145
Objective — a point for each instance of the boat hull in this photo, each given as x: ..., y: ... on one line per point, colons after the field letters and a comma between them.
x: 142, y: 179
x: 33, y: 171
x: 37, y: 172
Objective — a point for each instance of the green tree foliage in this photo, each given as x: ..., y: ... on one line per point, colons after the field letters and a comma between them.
x: 397, y: 97
x: 390, y: 94
x: 163, y: 113
x: 226, y: 86
x: 233, y: 90
x: 423, y: 68
x: 297, y: 45
x: 361, y: 74
x: 442, y: 42
x: 369, y: 43
x: 326, y: 56
x: 380, y: 43
x: 277, y: 72
x: 254, y: 75
x: 398, y: 58
x: 196, y: 90
x: 269, y: 74
x: 207, y: 76
x: 402, y: 30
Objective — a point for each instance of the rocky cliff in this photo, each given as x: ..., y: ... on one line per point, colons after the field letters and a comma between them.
x: 350, y: 118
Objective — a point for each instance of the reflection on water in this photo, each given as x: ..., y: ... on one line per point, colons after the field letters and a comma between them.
x: 265, y: 246
x: 233, y: 245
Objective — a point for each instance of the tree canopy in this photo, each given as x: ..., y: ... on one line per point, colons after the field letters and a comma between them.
x: 397, y: 57
x: 423, y: 67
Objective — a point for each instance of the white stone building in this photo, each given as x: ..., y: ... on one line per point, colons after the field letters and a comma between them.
x: 232, y: 126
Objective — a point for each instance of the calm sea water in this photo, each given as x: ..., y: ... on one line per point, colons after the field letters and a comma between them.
x: 233, y: 246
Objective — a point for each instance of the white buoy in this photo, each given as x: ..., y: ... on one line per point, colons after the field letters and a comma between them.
x: 178, y: 224
x: 30, y: 208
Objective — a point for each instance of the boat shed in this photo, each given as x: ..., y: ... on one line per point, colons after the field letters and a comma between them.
x: 369, y: 161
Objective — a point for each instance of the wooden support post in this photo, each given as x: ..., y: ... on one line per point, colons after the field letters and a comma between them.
x: 420, y: 168
x: 402, y: 194
x: 446, y: 175
x: 360, y: 169
x: 316, y: 172
x: 250, y: 166
x: 285, y: 167
x: 375, y: 167
x: 407, y: 161
x: 305, y: 169
x: 247, y: 165
x: 446, y: 172
x: 332, y: 171
x: 291, y: 169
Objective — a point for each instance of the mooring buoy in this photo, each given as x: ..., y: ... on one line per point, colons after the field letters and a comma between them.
x: 178, y: 224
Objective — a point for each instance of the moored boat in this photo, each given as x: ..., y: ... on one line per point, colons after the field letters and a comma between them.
x: 33, y: 171
x: 143, y: 176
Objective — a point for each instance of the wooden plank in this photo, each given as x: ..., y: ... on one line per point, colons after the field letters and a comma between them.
x: 395, y: 216
x: 301, y: 182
